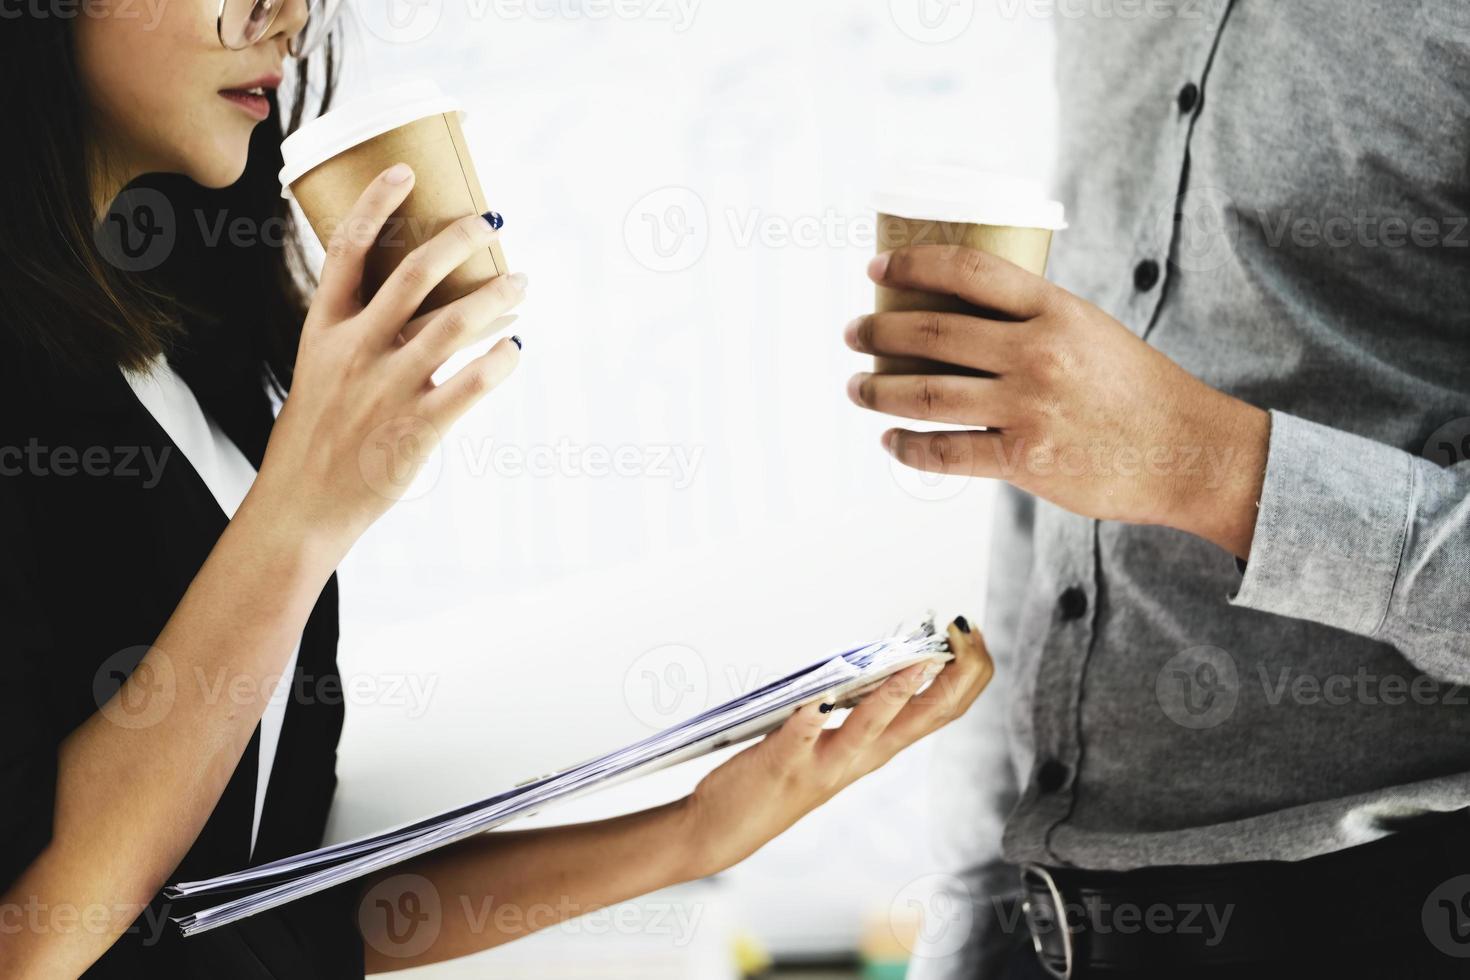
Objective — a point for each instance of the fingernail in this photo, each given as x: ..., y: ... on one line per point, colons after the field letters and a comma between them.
x: 855, y: 387
x: 516, y: 340
x: 826, y: 708
x: 962, y: 624
x: 878, y: 268
x: 494, y: 220
x: 850, y: 332
x: 398, y: 173
x: 520, y: 280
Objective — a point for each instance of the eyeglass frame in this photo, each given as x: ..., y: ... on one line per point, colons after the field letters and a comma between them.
x: 297, y: 51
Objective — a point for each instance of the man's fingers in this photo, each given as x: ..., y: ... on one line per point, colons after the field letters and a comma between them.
x: 976, y: 454
x: 426, y: 267
x: 979, y: 278
x: 950, y: 398
x: 350, y: 241
x: 953, y: 338
x: 458, y: 394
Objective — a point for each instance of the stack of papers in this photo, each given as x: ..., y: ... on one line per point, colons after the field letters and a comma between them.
x: 841, y: 678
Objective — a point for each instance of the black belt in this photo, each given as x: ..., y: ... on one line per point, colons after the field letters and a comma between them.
x: 1169, y: 918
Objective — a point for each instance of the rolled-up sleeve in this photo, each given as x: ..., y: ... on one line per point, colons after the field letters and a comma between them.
x: 1366, y: 538
x: 27, y: 739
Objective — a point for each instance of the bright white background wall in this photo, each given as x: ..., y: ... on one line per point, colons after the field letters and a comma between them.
x: 686, y: 186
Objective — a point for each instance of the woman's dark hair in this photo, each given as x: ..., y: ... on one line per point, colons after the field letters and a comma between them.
x: 170, y: 258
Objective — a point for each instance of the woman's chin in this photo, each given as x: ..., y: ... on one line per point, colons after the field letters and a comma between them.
x: 222, y: 166
x: 217, y: 174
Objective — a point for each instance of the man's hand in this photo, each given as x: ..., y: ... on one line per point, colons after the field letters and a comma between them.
x: 1079, y: 411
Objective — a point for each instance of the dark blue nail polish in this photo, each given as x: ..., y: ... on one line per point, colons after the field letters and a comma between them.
x: 826, y: 708
x: 517, y: 341
x: 494, y: 219
x: 962, y: 623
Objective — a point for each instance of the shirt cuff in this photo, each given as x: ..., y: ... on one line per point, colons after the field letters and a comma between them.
x: 1330, y: 533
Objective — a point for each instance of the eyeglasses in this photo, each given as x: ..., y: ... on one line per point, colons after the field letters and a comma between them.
x: 243, y: 22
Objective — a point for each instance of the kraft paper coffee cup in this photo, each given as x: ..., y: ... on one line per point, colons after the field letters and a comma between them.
x: 1006, y: 216
x: 333, y: 158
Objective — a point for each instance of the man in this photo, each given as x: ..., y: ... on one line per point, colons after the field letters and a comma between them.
x: 1230, y: 591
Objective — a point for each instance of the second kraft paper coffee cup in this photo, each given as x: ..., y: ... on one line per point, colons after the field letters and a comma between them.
x: 332, y: 159
x: 938, y: 205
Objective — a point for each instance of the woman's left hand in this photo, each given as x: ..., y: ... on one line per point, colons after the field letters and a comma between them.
x: 762, y: 791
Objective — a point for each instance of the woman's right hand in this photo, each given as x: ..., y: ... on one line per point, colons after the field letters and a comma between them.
x: 363, y: 412
x: 760, y: 792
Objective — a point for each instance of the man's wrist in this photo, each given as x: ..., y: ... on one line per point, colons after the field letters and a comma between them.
x: 1221, y: 500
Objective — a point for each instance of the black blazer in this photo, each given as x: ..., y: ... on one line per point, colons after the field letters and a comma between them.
x: 103, y: 525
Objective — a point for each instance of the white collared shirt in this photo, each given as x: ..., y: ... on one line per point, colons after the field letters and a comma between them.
x: 228, y: 475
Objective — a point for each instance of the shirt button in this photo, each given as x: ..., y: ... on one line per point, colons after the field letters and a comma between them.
x: 1146, y: 275
x: 1052, y: 776
x: 1188, y: 98
x: 1073, y: 603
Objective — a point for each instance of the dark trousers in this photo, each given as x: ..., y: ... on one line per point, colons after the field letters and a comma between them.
x: 1394, y: 909
x: 1388, y: 961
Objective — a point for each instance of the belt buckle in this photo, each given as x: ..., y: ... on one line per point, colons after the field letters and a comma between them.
x: 1037, y: 873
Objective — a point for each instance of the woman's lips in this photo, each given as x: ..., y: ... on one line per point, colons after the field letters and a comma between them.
x: 252, y: 101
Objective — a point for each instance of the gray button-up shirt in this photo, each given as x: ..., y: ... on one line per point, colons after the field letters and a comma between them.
x: 1274, y: 193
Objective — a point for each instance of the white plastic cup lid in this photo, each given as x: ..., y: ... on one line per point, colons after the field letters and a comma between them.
x: 358, y: 120
x: 966, y: 196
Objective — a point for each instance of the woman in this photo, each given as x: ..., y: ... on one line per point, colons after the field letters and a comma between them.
x: 156, y: 587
